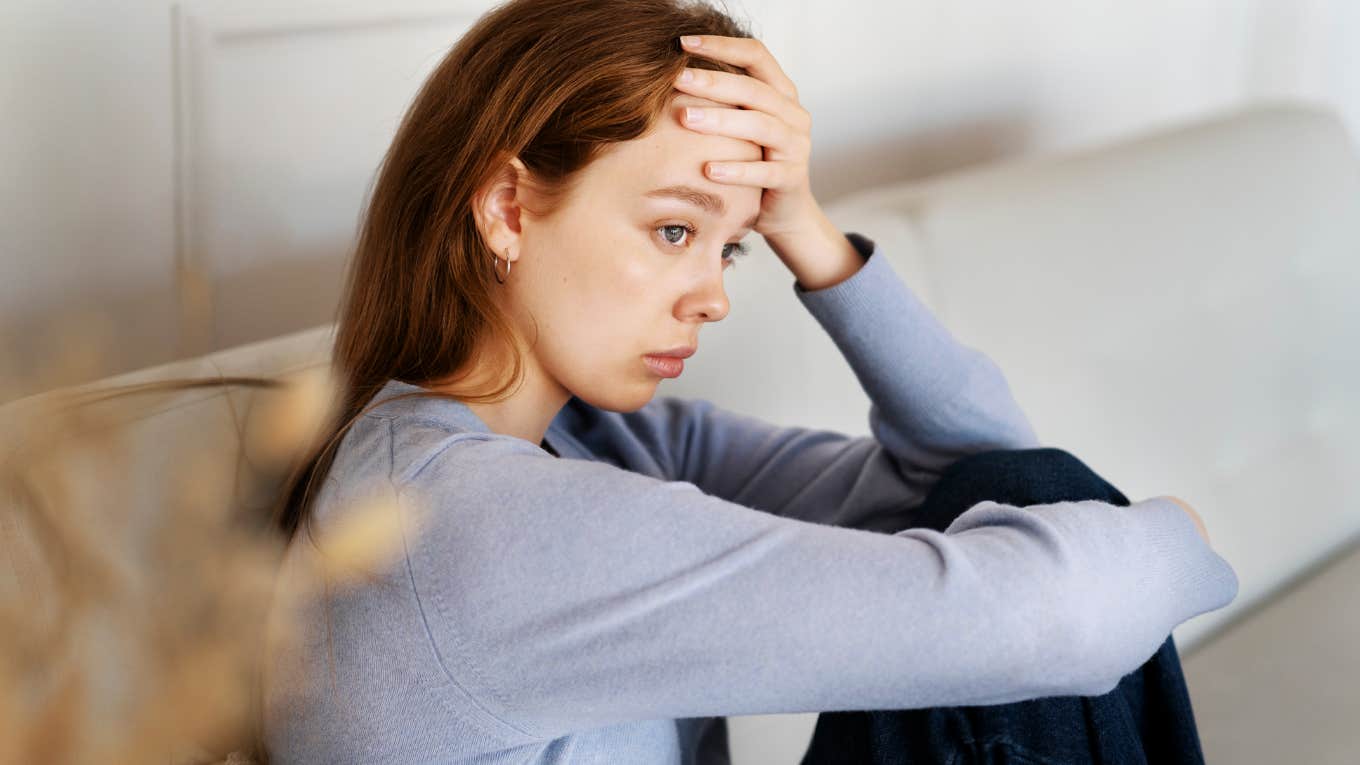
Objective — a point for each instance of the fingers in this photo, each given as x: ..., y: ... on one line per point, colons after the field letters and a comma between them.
x: 754, y: 126
x: 770, y: 175
x: 768, y: 112
x: 746, y: 52
x: 744, y: 91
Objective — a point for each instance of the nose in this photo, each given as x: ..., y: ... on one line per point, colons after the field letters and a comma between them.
x: 708, y: 301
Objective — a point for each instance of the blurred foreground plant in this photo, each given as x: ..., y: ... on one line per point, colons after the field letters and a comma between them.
x: 132, y: 616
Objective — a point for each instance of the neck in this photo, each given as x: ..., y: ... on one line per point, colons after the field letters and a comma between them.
x: 526, y: 413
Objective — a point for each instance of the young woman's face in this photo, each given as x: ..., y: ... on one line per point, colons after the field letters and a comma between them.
x: 614, y: 275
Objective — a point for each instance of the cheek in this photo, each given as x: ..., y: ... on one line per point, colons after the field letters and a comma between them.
x: 599, y: 292
x: 614, y: 314
x: 611, y: 276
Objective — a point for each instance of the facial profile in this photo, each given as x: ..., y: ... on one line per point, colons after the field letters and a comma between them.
x: 583, y: 102
x: 615, y: 273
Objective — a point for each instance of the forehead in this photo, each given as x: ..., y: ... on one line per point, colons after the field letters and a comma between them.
x: 672, y: 153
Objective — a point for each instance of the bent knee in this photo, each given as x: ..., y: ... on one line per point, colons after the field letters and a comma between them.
x: 1029, y: 476
x: 1049, y: 458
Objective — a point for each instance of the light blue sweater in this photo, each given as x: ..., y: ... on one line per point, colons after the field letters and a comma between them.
x: 682, y: 562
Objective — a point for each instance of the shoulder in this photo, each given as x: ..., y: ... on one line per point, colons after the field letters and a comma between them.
x: 424, y: 449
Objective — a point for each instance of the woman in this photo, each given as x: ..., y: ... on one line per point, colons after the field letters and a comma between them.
x: 605, y: 574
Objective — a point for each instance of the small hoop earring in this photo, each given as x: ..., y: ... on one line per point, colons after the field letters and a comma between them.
x: 495, y: 266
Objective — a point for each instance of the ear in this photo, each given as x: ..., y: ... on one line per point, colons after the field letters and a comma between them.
x: 497, y: 208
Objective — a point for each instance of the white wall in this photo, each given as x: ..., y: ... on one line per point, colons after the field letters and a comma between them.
x: 193, y: 172
x: 86, y: 148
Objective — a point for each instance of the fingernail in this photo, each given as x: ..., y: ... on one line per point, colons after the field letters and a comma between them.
x: 694, y: 114
x: 690, y: 41
x: 687, y: 76
x: 717, y: 171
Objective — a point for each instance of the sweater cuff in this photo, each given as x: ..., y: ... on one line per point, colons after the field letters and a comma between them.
x: 1197, y: 576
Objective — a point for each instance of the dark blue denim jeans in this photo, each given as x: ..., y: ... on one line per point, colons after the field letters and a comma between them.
x: 1146, y: 719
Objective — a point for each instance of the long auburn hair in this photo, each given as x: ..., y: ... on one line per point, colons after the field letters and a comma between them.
x: 552, y: 82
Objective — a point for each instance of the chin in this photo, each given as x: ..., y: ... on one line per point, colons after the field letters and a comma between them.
x: 620, y: 399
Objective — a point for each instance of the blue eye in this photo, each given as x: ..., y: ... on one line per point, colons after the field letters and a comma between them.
x: 675, y: 227
x: 730, y: 256
x: 739, y: 249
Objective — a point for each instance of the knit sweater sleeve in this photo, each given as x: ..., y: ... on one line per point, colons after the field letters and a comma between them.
x: 933, y: 400
x: 563, y: 594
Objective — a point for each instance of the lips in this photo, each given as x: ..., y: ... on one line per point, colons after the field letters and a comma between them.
x: 680, y: 352
x: 666, y: 366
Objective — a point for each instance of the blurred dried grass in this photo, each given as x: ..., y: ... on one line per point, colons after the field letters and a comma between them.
x: 133, y: 622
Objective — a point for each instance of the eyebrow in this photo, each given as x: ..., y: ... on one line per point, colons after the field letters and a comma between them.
x: 711, y: 203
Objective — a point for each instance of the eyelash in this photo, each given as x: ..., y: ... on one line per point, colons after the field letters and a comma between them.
x: 740, y: 250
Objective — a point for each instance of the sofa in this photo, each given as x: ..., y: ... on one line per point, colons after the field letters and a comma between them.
x: 1180, y: 309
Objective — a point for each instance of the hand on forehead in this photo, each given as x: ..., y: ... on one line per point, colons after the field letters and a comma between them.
x: 740, y: 148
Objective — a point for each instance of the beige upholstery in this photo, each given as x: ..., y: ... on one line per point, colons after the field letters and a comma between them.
x: 165, y: 431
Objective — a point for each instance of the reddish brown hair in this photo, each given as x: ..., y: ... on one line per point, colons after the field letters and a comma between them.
x: 552, y: 82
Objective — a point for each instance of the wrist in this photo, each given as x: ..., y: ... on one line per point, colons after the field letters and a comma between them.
x: 820, y: 255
